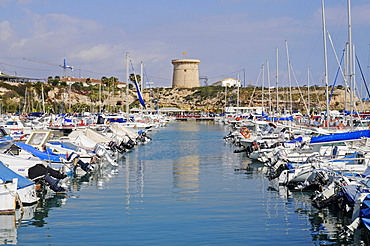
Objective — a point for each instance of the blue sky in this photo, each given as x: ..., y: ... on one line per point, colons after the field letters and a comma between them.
x: 229, y: 37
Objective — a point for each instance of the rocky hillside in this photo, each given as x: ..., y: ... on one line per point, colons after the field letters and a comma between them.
x: 76, y: 98
x: 213, y: 98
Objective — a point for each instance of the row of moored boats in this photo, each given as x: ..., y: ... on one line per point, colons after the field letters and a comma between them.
x: 332, y: 162
x: 38, y: 155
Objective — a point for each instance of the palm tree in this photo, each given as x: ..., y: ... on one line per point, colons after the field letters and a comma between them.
x: 113, y: 81
x: 105, y: 81
x: 88, y: 81
x: 135, y: 79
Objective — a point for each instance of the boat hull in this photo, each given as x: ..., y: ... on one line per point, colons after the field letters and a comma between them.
x: 8, y: 197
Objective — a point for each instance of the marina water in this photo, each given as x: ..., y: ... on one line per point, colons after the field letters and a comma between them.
x: 186, y: 187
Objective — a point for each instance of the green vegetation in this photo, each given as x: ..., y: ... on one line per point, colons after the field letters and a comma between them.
x: 27, y: 97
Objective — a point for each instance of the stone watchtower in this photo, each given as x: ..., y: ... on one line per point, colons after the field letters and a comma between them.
x: 185, y: 73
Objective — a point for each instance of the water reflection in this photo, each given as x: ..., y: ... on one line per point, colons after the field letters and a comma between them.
x: 28, y: 216
x: 36, y: 215
x: 98, y: 178
x: 8, y: 229
x: 185, y: 177
x: 134, y: 174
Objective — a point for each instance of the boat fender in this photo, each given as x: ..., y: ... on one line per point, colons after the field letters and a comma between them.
x: 245, y: 132
x: 341, y: 126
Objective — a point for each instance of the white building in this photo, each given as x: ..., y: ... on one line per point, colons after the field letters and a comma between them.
x: 229, y: 82
x: 244, y: 111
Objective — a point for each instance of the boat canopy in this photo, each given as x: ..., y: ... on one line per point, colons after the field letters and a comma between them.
x: 91, y: 134
x: 7, y: 174
x: 39, y: 154
x: 118, y: 129
x: 347, y: 136
x: 64, y: 145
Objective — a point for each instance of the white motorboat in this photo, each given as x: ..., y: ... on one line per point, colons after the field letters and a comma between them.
x: 8, y: 190
x: 26, y: 189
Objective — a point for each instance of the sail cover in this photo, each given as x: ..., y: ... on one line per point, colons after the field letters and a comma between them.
x: 139, y: 94
x: 341, y: 137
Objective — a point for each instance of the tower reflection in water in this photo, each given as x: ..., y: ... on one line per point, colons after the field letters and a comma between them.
x: 186, y: 177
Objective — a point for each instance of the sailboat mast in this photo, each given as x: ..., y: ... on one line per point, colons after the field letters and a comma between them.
x: 43, y: 100
x: 225, y: 99
x: 277, y: 80
x: 350, y: 60
x: 268, y: 83
x: 238, y: 92
x: 25, y: 102
x: 325, y: 62
x: 127, y: 82
x: 308, y: 91
x: 289, y: 79
x: 262, y: 87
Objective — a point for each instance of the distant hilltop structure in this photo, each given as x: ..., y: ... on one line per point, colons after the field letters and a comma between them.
x: 228, y: 82
x: 185, y: 73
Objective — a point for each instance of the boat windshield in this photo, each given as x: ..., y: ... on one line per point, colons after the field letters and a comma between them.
x: 11, y: 123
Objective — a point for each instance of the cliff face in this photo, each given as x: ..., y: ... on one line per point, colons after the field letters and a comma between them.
x: 207, y: 98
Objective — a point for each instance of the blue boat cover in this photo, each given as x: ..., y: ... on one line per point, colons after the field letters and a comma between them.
x: 298, y: 139
x: 341, y: 136
x: 7, y: 174
x: 6, y: 138
x: 51, y: 153
x: 366, y: 172
x: 39, y: 154
x: 351, y: 193
x: 63, y: 145
x: 289, y: 166
x: 365, y: 211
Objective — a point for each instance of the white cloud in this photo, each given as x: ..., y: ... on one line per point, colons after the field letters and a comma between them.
x: 224, y: 42
x: 5, y: 31
x: 97, y: 52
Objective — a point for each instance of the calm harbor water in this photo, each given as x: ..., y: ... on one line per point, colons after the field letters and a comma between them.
x: 182, y: 188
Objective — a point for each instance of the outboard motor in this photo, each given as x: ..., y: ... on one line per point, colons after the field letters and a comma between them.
x: 40, y: 172
x: 143, y: 137
x: 74, y: 157
x: 102, y: 152
x: 115, y: 148
x: 361, y: 158
x: 129, y: 144
x: 323, y: 203
x: 229, y: 136
x: 275, y: 174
